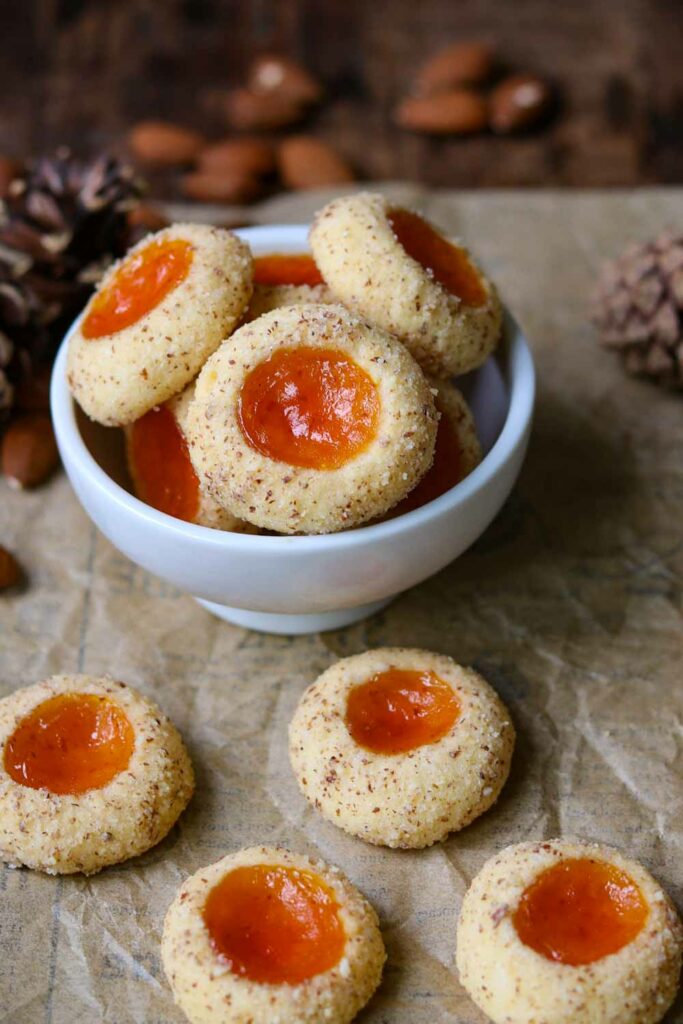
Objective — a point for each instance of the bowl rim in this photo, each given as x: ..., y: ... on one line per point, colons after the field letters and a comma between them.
x: 519, y: 375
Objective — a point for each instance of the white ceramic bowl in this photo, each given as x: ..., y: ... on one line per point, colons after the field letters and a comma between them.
x: 297, y: 585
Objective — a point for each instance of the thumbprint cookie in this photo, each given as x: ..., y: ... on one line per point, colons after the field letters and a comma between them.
x: 92, y: 773
x: 266, y: 935
x: 456, y: 453
x: 286, y: 279
x: 400, y: 747
x: 568, y: 932
x: 162, y: 472
x: 393, y: 267
x: 155, y: 318
x: 308, y: 420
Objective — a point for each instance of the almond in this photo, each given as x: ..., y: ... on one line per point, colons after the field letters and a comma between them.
x: 9, y: 169
x: 10, y: 571
x: 247, y: 155
x: 518, y: 103
x: 306, y: 162
x: 458, y: 112
x: 212, y: 187
x: 272, y: 73
x: 163, y: 144
x: 29, y: 451
x: 467, y: 63
x: 251, y: 111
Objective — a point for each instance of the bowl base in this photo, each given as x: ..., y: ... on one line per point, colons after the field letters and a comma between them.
x: 293, y: 625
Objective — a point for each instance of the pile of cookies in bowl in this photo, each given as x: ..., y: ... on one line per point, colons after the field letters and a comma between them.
x: 290, y: 394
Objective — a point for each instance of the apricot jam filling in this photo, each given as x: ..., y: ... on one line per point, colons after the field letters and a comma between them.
x: 161, y: 465
x: 309, y: 407
x: 69, y: 744
x: 138, y: 286
x: 579, y: 911
x: 447, y: 263
x: 286, y: 268
x: 399, y: 710
x: 445, y: 471
x: 274, y: 924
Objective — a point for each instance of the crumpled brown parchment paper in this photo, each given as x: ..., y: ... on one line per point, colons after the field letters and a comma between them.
x: 570, y: 605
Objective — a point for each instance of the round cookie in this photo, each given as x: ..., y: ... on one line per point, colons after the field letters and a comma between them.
x: 286, y: 279
x: 309, y: 421
x: 155, y: 318
x: 601, y: 940
x: 392, y: 267
x: 266, y: 935
x: 456, y: 453
x: 92, y: 773
x: 400, y: 747
x: 162, y: 472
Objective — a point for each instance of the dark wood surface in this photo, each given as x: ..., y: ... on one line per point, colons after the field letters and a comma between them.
x: 82, y: 71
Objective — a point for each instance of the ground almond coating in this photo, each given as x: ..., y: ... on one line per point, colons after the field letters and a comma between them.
x: 209, y: 513
x: 207, y: 990
x: 279, y: 496
x: 513, y: 984
x: 408, y: 800
x: 86, y: 832
x: 267, y: 297
x: 369, y: 271
x: 118, y: 377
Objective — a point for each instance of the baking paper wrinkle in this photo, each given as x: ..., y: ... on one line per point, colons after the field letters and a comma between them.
x: 570, y: 605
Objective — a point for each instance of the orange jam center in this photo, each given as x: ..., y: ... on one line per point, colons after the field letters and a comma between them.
x: 275, y: 924
x: 162, y: 470
x: 444, y: 473
x: 69, y: 744
x: 285, y: 268
x: 399, y: 710
x: 447, y: 263
x: 138, y: 286
x: 310, y: 407
x: 580, y: 910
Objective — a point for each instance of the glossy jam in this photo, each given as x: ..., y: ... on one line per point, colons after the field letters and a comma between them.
x: 445, y: 472
x: 275, y: 924
x: 447, y: 263
x: 140, y: 284
x: 579, y: 911
x: 286, y: 268
x: 69, y: 744
x: 309, y: 407
x: 399, y: 710
x: 161, y: 466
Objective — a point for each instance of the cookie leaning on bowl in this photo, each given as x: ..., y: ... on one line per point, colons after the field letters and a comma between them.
x: 308, y: 420
x: 155, y: 318
x: 393, y: 267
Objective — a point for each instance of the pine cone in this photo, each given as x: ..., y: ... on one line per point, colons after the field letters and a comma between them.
x: 638, y: 308
x: 61, y: 224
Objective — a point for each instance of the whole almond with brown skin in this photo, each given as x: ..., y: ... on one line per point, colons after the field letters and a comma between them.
x: 163, y: 144
x: 10, y: 571
x: 466, y: 63
x: 247, y: 155
x: 251, y: 111
x: 458, y: 112
x: 9, y: 169
x: 307, y: 162
x: 518, y: 103
x: 29, y: 451
x: 273, y: 73
x: 214, y: 187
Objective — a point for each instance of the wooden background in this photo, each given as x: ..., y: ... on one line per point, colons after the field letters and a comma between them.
x: 81, y: 71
